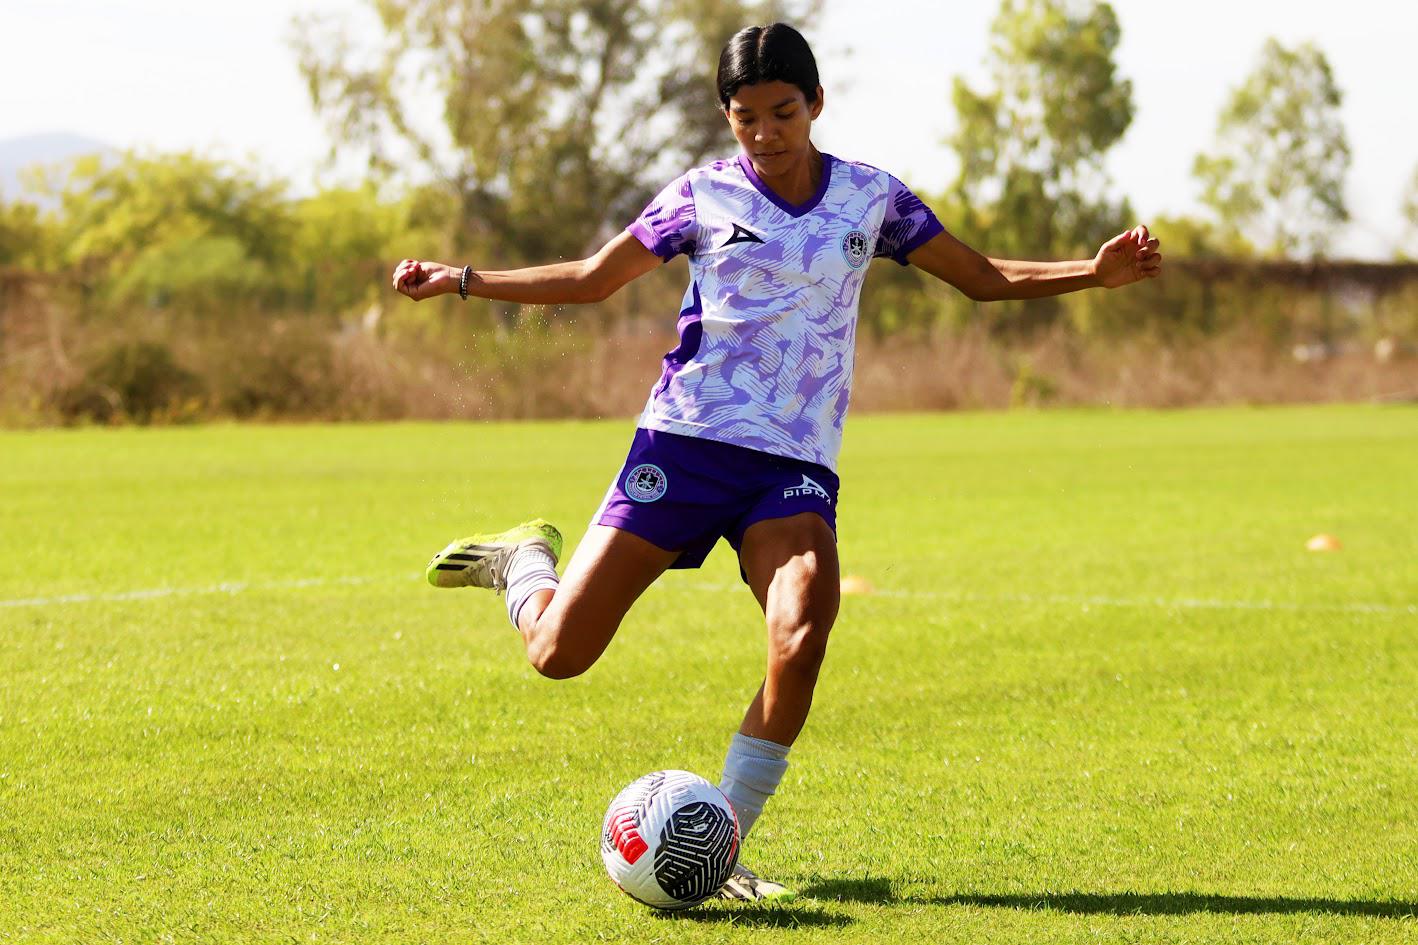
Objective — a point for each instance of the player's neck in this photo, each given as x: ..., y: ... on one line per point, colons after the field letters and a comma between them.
x: 799, y: 181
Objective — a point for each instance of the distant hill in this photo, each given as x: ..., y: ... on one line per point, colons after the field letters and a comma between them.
x: 18, y: 153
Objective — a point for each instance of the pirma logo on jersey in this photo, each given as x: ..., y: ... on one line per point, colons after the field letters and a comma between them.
x: 646, y: 483
x: 854, y: 248
x: 808, y: 487
x: 742, y: 235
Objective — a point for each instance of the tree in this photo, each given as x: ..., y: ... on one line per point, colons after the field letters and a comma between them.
x: 547, y: 122
x: 1410, y: 206
x: 26, y: 236
x: 342, y: 241
x: 1276, y: 176
x: 167, y: 227
x: 1031, y: 147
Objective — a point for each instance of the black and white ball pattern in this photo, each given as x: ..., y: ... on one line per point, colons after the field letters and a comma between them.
x: 670, y: 839
x: 697, y: 850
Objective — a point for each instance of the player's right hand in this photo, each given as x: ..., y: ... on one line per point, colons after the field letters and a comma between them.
x: 423, y: 280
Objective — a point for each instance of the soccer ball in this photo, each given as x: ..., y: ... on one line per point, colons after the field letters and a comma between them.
x: 670, y: 840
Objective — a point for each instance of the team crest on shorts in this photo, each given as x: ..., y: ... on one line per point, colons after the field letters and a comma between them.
x: 646, y: 483
x: 854, y: 248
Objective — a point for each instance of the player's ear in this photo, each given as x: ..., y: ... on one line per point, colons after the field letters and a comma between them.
x: 816, y: 108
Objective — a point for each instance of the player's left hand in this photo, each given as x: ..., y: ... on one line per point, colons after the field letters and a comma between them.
x: 1128, y: 257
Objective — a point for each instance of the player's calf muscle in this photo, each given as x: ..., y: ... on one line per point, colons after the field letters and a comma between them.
x: 566, y: 640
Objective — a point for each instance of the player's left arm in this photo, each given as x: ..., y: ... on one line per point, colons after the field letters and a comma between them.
x: 1126, y: 258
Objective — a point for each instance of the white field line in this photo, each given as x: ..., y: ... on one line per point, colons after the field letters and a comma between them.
x: 1066, y: 600
x: 226, y: 587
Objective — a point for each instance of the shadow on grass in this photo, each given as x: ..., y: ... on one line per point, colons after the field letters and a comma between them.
x: 884, y: 892
x: 793, y: 915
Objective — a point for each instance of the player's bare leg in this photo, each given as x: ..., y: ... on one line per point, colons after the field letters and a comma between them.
x: 565, y: 623
x: 791, y: 564
x: 566, y: 630
x: 792, y: 568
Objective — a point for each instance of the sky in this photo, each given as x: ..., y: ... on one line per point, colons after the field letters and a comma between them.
x: 222, y: 78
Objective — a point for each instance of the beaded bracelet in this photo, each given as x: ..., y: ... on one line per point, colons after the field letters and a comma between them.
x: 463, y: 282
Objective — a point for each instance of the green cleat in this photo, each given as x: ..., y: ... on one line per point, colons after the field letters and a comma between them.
x: 744, y: 885
x: 481, y: 560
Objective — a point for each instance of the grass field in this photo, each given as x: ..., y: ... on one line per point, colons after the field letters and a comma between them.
x: 1102, y: 692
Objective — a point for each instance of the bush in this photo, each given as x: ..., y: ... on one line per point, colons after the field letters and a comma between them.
x: 285, y: 369
x: 138, y: 381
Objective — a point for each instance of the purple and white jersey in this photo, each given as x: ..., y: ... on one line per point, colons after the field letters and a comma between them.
x: 768, y: 326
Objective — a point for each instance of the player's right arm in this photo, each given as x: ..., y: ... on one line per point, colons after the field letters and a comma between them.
x: 620, y: 261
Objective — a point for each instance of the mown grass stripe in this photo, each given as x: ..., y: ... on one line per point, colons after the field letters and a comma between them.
x: 1067, y: 600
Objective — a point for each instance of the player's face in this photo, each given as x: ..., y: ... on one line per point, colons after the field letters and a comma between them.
x: 772, y: 122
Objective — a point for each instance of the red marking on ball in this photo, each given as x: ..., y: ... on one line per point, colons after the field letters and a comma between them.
x: 625, y: 834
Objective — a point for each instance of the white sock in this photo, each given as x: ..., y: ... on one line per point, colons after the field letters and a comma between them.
x: 530, y: 570
x: 752, y: 770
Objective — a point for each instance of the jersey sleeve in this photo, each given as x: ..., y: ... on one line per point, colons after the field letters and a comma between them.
x: 667, y: 226
x: 907, y: 225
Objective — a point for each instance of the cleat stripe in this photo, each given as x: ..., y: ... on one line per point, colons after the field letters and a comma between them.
x: 444, y: 566
x: 462, y: 557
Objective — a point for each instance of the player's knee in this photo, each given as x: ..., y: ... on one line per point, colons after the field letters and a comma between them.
x: 556, y: 662
x: 800, y: 644
x: 550, y: 657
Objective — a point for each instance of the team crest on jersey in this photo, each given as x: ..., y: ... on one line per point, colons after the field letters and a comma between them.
x: 646, y: 483
x: 854, y: 248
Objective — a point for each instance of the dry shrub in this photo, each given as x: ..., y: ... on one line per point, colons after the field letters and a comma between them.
x: 284, y: 369
x: 525, y: 374
x: 974, y: 370
x: 135, y: 381
x: 938, y: 371
x: 423, y: 362
x: 565, y: 373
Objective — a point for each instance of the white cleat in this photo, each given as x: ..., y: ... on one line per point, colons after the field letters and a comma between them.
x: 744, y: 885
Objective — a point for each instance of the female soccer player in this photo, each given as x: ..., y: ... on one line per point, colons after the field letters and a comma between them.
x: 740, y: 436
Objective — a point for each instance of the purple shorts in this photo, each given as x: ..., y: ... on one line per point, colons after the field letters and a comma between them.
x: 684, y: 493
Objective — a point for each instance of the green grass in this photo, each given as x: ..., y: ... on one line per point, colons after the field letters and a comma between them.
x: 1102, y: 694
